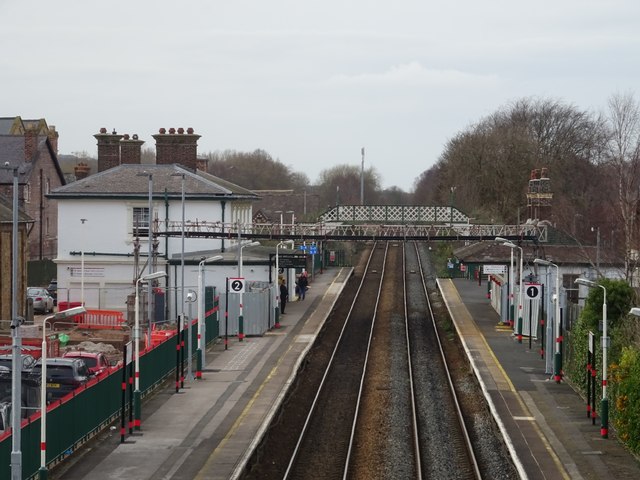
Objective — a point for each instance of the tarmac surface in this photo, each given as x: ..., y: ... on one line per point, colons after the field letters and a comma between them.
x: 208, y: 430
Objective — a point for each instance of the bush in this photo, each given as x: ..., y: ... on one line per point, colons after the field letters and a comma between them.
x: 625, y: 397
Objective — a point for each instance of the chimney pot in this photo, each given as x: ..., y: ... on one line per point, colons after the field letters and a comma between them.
x: 162, y: 131
x: 181, y: 130
x: 126, y: 136
x: 114, y: 132
x: 172, y: 130
x: 190, y: 131
x: 103, y: 130
x: 135, y: 136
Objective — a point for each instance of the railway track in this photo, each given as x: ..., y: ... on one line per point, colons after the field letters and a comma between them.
x: 384, y: 404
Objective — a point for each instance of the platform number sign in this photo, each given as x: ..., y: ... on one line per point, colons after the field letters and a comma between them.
x: 533, y: 291
x: 236, y: 285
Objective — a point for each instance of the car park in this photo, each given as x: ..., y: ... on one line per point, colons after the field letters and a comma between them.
x: 28, y: 361
x: 42, y: 301
x: 30, y: 395
x: 96, y: 362
x: 63, y: 376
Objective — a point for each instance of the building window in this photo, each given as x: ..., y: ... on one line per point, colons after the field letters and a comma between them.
x: 140, y: 222
x: 570, y: 287
x: 27, y: 193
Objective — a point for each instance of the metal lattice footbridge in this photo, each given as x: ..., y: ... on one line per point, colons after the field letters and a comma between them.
x: 363, y: 222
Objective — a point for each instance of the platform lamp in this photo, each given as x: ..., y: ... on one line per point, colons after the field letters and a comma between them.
x: 136, y: 340
x: 512, y: 245
x: 202, y: 327
x: 604, y: 407
x: 557, y: 359
x: 42, y: 472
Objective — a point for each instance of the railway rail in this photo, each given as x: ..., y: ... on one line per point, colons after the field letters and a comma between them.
x: 375, y: 398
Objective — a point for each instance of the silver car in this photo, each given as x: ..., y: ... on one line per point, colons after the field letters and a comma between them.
x: 42, y: 300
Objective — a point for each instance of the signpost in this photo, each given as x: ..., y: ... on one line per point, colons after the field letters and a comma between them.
x: 533, y: 292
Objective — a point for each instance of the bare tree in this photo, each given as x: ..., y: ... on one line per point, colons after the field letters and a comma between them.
x: 623, y: 156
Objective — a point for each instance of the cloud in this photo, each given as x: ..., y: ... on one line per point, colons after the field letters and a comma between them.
x: 414, y: 74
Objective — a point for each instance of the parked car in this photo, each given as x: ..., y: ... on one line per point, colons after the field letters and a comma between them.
x: 30, y: 395
x: 28, y: 361
x: 63, y: 375
x: 42, y: 301
x: 53, y: 290
x: 96, y: 362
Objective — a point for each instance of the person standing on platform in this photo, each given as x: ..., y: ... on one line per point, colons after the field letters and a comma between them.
x: 303, y: 284
x: 284, y: 296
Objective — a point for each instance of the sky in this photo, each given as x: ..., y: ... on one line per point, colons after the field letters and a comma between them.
x: 310, y: 82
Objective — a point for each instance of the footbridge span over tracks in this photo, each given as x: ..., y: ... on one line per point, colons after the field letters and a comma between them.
x: 362, y: 223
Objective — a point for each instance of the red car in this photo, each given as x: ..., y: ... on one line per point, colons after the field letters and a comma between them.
x: 96, y: 363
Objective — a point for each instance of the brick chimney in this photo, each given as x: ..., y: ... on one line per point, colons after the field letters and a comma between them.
x: 130, y: 149
x: 202, y: 163
x: 81, y: 170
x: 108, y: 149
x: 177, y: 147
x: 53, y: 138
x: 30, y: 143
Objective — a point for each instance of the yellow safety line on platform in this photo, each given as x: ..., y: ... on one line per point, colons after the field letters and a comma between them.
x: 524, y: 407
x: 241, y: 417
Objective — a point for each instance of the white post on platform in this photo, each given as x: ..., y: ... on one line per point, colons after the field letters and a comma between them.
x: 604, y: 405
x: 512, y: 245
x: 136, y: 339
x: 202, y: 326
x: 277, y: 303
x: 557, y: 371
x: 240, y: 297
x: 43, y: 472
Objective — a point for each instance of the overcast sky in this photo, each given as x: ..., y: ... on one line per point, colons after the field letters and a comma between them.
x: 310, y: 82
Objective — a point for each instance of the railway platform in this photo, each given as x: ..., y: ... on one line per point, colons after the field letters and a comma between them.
x: 548, y: 431
x: 208, y: 429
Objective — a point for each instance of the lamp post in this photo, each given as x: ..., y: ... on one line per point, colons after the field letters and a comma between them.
x: 16, y: 340
x: 512, y: 245
x: 202, y: 327
x: 557, y: 359
x: 240, y: 316
x: 82, y: 220
x: 150, y: 238
x: 451, y: 199
x: 362, y: 178
x: 182, y: 175
x: 604, y: 407
x: 136, y: 340
x: 42, y: 472
x: 277, y: 305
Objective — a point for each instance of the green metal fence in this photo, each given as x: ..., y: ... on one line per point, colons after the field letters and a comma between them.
x: 97, y: 405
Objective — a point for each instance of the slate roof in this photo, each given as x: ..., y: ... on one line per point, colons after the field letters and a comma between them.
x: 6, y: 124
x: 12, y: 152
x: 6, y: 212
x: 132, y: 181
